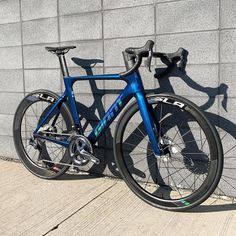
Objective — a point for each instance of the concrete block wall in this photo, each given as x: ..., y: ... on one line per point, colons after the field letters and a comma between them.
x: 102, y: 29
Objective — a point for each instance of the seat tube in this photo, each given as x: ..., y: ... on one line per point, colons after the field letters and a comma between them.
x: 148, y: 121
x: 63, y: 65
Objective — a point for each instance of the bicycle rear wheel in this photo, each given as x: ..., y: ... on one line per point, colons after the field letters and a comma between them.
x: 191, y: 161
x: 41, y: 157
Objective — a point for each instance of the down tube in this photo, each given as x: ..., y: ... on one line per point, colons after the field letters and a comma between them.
x: 110, y: 115
x: 148, y: 122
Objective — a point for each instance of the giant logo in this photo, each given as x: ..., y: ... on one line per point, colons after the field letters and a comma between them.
x: 108, y: 117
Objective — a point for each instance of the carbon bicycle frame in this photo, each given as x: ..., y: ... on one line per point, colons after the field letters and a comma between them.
x: 134, y: 88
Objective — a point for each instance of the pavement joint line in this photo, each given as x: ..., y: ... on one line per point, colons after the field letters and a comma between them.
x: 214, y: 202
x: 2, y: 158
x: 68, y: 217
x: 215, y: 196
x: 227, y: 222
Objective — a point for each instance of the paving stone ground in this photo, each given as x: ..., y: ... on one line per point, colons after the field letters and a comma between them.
x: 89, y: 205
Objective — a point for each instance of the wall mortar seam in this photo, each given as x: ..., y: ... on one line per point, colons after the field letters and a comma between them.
x: 22, y: 49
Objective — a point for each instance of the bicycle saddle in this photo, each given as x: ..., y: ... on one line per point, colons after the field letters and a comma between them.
x: 59, y: 50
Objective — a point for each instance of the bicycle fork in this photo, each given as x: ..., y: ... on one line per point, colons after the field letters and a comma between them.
x: 148, y: 122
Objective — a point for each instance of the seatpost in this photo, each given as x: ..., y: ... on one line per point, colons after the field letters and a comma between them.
x: 63, y: 65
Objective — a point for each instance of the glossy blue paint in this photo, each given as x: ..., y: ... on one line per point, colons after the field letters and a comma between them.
x: 111, y: 114
x: 134, y: 85
x: 97, y: 77
x: 60, y: 142
x: 134, y: 88
x: 148, y: 121
x: 69, y: 82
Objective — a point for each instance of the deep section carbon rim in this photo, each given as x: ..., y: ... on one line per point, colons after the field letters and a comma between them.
x: 188, y: 166
x: 43, y: 158
x: 53, y: 151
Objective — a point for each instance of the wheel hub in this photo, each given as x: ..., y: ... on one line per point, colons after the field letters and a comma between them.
x: 48, y: 129
x: 167, y: 147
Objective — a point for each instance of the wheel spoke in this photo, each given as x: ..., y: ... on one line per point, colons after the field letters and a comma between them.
x: 133, y: 145
x: 139, y: 160
x: 173, y: 180
x: 149, y: 168
x: 183, y: 166
x: 181, y: 136
x: 137, y: 135
x: 181, y: 175
x: 230, y: 149
x: 34, y: 113
x: 228, y: 183
x: 194, y: 140
x: 47, y: 150
x: 139, y: 131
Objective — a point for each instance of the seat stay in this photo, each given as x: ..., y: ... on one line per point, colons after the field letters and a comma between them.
x: 43, y: 121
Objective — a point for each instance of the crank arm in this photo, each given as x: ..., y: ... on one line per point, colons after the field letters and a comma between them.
x: 89, y: 157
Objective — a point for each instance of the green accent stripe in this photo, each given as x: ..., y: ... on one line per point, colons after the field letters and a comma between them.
x: 185, y: 202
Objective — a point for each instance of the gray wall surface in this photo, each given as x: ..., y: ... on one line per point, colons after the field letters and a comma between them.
x: 102, y: 29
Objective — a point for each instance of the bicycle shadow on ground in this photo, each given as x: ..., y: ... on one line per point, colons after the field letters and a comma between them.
x: 213, y: 208
x: 79, y: 176
x: 92, y: 118
x: 213, y: 95
x: 164, y: 77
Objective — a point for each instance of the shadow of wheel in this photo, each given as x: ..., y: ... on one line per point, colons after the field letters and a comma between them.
x: 227, y: 131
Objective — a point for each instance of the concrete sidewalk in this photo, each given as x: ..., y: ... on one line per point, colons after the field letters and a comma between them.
x: 86, y: 205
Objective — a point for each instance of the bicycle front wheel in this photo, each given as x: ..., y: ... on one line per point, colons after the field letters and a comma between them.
x: 191, y: 161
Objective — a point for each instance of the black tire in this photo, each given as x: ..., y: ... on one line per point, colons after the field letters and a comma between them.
x: 41, y: 163
x: 201, y: 160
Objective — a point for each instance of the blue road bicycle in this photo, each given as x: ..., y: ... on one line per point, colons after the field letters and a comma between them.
x: 166, y: 150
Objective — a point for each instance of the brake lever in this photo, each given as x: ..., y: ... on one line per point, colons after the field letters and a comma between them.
x: 182, y: 61
x: 148, y: 61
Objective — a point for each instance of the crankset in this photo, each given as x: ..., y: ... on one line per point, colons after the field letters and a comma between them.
x: 80, y: 150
